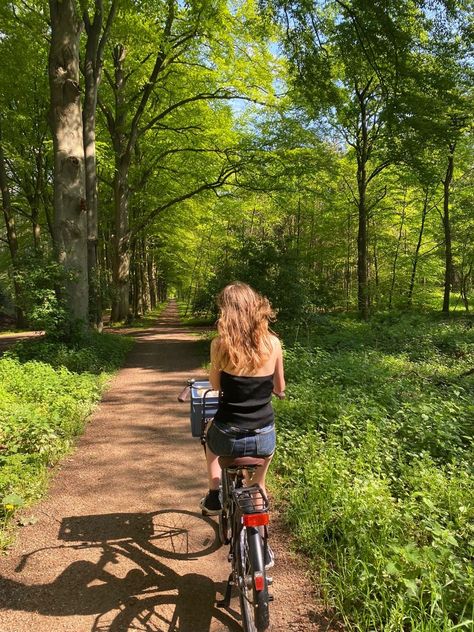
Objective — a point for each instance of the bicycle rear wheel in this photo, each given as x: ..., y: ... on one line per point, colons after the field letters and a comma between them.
x: 251, y: 569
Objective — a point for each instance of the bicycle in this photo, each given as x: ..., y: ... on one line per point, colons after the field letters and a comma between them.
x: 243, y: 521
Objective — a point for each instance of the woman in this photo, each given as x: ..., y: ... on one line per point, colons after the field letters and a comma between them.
x: 246, y: 367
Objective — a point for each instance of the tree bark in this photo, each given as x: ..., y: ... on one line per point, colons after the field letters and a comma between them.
x: 70, y: 214
x: 121, y: 257
x: 448, y: 256
x: 93, y: 63
x: 89, y: 122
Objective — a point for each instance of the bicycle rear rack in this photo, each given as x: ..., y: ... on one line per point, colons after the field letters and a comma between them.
x: 250, y: 500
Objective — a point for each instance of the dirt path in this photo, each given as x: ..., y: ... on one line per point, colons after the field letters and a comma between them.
x: 119, y: 543
x: 7, y: 340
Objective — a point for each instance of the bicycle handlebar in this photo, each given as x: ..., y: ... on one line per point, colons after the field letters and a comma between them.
x: 183, y: 396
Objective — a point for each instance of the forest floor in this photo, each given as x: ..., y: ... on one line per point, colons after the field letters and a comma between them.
x: 119, y: 543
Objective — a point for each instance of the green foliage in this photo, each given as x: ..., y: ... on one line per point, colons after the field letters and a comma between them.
x: 374, y: 464
x: 89, y: 353
x: 47, y: 390
x: 41, y: 281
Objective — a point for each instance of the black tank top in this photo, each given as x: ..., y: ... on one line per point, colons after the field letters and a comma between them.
x: 246, y: 401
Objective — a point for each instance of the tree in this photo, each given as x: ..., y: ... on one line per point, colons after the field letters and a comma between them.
x: 97, y: 35
x: 345, y: 59
x: 70, y: 206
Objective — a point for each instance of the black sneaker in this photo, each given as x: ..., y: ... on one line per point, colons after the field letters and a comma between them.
x: 211, y: 503
x: 269, y: 558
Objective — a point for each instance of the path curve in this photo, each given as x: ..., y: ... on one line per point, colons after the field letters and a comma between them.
x: 119, y: 543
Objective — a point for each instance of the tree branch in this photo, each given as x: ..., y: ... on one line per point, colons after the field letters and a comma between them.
x: 378, y: 169
x: 224, y: 175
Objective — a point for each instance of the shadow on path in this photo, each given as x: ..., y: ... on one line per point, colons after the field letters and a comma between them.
x: 150, y: 595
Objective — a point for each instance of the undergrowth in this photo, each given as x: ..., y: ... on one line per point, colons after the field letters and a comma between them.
x: 47, y: 390
x: 374, y: 468
x: 188, y: 316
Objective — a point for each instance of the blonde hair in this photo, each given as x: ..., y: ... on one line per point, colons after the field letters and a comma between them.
x: 244, y: 335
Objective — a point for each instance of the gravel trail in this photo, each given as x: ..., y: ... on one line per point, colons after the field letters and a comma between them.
x: 119, y: 542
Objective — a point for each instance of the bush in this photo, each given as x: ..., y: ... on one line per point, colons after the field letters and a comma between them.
x: 374, y: 464
x: 47, y: 390
x: 41, y: 283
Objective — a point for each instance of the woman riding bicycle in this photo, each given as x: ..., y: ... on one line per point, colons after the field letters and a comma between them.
x: 246, y: 367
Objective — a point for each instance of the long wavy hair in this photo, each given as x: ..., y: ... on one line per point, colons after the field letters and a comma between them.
x: 244, y: 334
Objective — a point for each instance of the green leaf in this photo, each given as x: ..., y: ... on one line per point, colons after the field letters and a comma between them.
x: 12, y: 501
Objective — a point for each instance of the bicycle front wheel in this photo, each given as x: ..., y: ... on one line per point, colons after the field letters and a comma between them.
x: 252, y: 581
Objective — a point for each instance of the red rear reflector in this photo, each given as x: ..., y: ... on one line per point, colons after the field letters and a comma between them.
x: 259, y: 581
x: 256, y: 520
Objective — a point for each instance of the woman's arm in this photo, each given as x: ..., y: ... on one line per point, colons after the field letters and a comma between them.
x: 279, y: 376
x: 214, y: 370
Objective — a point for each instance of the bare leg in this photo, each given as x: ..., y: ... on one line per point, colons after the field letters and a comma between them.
x: 213, y: 469
x: 259, y: 476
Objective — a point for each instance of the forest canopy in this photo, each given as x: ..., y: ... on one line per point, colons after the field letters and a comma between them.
x: 320, y: 150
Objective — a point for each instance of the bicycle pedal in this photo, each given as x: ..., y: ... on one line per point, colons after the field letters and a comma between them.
x: 271, y: 598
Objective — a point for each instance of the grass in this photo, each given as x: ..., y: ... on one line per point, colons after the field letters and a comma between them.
x: 374, y: 467
x: 47, y: 391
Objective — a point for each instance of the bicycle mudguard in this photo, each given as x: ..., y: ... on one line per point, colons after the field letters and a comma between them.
x: 255, y: 544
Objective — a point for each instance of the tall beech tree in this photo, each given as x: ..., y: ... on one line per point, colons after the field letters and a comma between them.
x: 97, y: 27
x: 70, y: 206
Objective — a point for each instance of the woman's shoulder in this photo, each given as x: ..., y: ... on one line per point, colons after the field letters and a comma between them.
x: 275, y: 341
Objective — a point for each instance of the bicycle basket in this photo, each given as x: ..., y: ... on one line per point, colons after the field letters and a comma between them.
x: 204, y: 403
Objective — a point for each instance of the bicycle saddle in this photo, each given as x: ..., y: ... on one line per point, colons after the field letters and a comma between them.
x: 241, y: 461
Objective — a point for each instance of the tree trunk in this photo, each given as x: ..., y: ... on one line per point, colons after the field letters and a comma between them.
x: 121, y: 260
x: 151, y: 281
x: 35, y: 201
x: 145, y: 292
x: 448, y: 256
x: 464, y: 285
x: 89, y: 122
x: 362, y: 276
x: 362, y: 243
x: 11, y: 234
x: 92, y: 72
x: 395, y: 258
x: 417, y: 251
x: 70, y: 214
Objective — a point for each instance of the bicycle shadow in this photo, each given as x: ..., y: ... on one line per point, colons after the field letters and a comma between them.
x: 129, y: 586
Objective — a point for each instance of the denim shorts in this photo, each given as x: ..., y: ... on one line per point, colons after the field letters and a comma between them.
x: 228, y: 441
